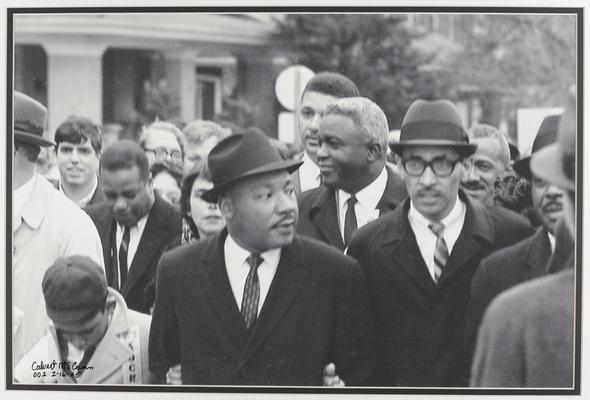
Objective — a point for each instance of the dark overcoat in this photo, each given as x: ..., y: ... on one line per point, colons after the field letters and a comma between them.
x: 161, y: 233
x: 318, y: 211
x: 419, y: 324
x: 316, y: 312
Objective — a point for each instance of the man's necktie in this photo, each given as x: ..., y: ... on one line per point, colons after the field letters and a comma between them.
x: 350, y: 224
x: 251, y: 292
x: 441, y: 252
x: 123, y: 249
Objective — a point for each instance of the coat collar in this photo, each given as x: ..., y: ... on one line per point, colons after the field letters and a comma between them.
x: 111, y: 352
x: 35, y: 209
x: 538, y: 251
x: 399, y: 240
x: 283, y: 291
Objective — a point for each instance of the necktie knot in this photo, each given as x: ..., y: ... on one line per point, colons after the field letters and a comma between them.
x: 254, y: 261
x: 437, y: 228
x: 351, y: 201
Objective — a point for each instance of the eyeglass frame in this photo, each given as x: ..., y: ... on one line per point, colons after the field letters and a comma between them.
x: 165, y: 153
x: 431, y: 165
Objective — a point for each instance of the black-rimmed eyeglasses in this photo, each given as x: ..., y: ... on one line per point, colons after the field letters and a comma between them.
x: 440, y: 166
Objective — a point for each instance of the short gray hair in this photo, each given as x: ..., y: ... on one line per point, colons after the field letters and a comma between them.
x: 163, y: 126
x: 489, y: 131
x: 367, y: 115
x: 197, y: 131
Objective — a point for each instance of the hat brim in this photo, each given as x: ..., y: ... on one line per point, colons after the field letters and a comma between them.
x: 523, y: 168
x: 465, y: 149
x: 32, y: 139
x: 290, y: 166
x: 546, y: 164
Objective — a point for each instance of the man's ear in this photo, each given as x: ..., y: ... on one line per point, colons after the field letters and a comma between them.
x: 110, y: 305
x: 226, y: 207
x: 375, y: 152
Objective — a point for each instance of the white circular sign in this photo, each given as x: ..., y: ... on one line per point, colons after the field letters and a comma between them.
x: 290, y: 84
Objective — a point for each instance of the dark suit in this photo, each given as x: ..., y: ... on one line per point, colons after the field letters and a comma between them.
x: 420, y: 324
x: 501, y: 270
x: 316, y: 312
x: 318, y: 211
x: 161, y: 233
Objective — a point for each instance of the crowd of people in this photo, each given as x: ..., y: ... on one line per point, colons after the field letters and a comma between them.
x: 197, y: 255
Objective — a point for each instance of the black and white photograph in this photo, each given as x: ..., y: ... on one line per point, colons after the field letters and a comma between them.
x: 378, y: 200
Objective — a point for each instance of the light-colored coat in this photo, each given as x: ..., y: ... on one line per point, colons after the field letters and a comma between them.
x: 121, y: 357
x: 50, y: 226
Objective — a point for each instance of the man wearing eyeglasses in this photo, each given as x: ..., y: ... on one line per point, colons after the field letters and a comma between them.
x: 163, y: 142
x: 420, y: 258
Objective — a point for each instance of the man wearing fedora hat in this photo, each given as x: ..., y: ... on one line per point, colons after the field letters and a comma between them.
x: 256, y: 304
x: 527, y: 259
x: 92, y: 337
x: 419, y: 259
x: 357, y: 186
x: 45, y: 225
x: 527, y: 335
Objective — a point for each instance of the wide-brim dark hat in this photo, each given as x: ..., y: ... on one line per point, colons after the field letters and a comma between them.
x: 546, y: 135
x: 556, y: 163
x: 242, y: 155
x: 30, y: 117
x: 433, y: 123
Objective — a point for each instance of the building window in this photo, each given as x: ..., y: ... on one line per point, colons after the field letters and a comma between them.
x: 208, y: 93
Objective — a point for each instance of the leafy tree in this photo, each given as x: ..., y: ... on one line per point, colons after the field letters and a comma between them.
x: 374, y: 50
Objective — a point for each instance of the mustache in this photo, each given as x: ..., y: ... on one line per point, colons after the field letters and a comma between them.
x: 287, y: 218
x: 472, y: 185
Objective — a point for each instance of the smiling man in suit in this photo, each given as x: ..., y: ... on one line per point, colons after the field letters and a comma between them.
x: 420, y: 258
x: 256, y: 304
x: 135, y: 224
x: 357, y: 186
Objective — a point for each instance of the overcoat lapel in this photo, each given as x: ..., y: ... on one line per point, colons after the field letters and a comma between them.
x: 153, y: 237
x: 476, y: 235
x: 219, y: 293
x: 324, y: 215
x: 394, y: 194
x: 283, y: 291
x: 537, y: 255
x: 400, y: 242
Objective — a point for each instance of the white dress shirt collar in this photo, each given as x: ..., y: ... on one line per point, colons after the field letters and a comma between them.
x: 237, y: 269
x: 135, y: 234
x: 309, y: 174
x: 551, y: 241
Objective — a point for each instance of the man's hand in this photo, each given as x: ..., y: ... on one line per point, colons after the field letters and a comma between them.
x: 174, y: 375
x: 330, y: 377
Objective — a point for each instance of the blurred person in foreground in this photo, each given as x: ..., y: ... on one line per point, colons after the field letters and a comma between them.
x: 45, y: 225
x: 256, y: 304
x: 527, y: 259
x: 166, y: 181
x: 201, y: 218
x: 321, y: 90
x: 200, y: 136
x: 163, y: 142
x: 489, y: 162
x: 419, y: 258
x: 357, y: 186
x: 78, y: 143
x: 135, y: 224
x: 526, y: 338
x: 92, y: 337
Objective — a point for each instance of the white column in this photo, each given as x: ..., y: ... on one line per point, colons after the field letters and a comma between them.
x: 74, y: 81
x: 181, y: 77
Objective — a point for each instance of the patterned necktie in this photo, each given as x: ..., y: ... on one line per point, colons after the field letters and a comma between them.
x: 350, y: 223
x: 441, y: 252
x: 123, y: 268
x: 251, y: 292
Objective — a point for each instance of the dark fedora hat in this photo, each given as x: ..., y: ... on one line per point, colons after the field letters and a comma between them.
x: 556, y: 163
x: 29, y: 120
x: 546, y: 135
x: 433, y: 123
x: 243, y: 154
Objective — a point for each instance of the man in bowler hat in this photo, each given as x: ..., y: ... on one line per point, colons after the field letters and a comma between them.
x: 92, y: 337
x: 527, y: 335
x: 420, y: 258
x: 256, y: 304
x: 527, y: 259
x: 45, y: 225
